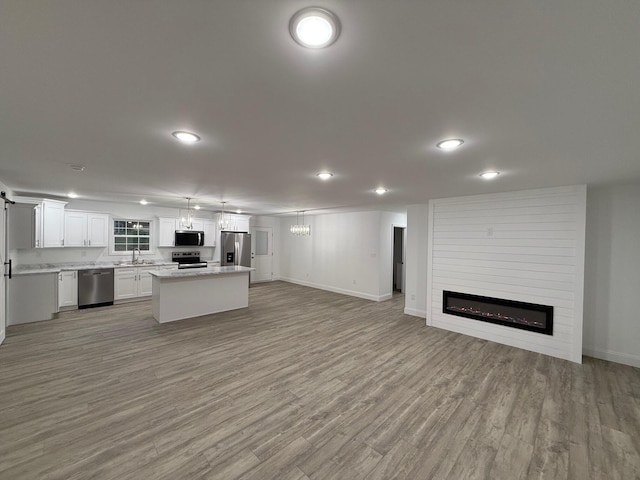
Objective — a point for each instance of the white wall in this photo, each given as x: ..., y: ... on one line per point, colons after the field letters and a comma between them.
x: 612, y: 274
x: 117, y: 211
x: 347, y: 253
x: 526, y: 246
x: 416, y: 261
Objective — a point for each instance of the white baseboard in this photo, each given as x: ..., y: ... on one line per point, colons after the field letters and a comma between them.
x: 2, y: 336
x: 352, y: 293
x: 415, y: 313
x: 617, y: 357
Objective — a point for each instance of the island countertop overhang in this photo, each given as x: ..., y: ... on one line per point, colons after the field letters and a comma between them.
x: 201, y: 272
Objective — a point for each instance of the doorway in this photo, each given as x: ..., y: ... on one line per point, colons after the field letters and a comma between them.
x: 261, y: 254
x: 398, y: 258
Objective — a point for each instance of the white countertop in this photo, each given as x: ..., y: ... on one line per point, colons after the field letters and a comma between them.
x: 57, y: 268
x: 201, y: 272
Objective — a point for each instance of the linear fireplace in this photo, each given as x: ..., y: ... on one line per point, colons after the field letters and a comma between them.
x: 526, y: 316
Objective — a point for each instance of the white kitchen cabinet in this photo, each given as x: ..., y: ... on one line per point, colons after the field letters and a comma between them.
x: 237, y: 223
x: 68, y: 289
x: 168, y: 226
x: 97, y: 229
x: 132, y: 282
x: 86, y: 229
x: 75, y: 229
x: 144, y: 281
x: 167, y: 231
x: 197, y: 224
x: 52, y: 224
x: 125, y: 283
x: 22, y: 226
x: 210, y: 228
x: 40, y: 223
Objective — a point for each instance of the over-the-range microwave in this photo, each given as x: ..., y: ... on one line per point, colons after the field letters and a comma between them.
x: 189, y: 238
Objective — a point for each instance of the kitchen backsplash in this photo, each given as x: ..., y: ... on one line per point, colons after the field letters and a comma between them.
x: 35, y: 256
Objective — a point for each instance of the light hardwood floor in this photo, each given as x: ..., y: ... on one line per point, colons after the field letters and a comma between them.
x: 304, y: 384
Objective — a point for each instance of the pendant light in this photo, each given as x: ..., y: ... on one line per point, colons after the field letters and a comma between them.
x: 223, y: 223
x: 186, y: 218
x: 300, y: 228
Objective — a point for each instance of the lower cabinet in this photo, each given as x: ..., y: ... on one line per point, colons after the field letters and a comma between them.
x: 68, y: 289
x: 132, y: 282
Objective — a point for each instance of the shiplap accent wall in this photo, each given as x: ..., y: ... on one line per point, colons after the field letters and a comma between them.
x: 526, y: 246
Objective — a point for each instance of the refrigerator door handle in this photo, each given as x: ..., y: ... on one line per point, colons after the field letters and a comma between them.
x: 8, y: 263
x: 236, y: 253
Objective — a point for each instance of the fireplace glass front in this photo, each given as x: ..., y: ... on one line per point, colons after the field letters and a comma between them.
x: 511, y: 313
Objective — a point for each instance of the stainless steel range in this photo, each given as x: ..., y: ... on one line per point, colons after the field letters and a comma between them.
x: 188, y: 260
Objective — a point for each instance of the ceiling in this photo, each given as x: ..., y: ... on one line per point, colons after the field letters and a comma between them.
x: 544, y: 92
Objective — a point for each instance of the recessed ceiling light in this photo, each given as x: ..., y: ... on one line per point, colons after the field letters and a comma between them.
x: 197, y: 207
x: 76, y: 167
x: 186, y: 137
x: 143, y: 202
x: 238, y: 211
x: 450, y: 143
x: 381, y: 190
x: 324, y: 175
x: 72, y: 195
x: 489, y: 175
x: 314, y: 27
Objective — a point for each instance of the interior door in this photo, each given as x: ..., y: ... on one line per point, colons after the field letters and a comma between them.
x: 262, y: 254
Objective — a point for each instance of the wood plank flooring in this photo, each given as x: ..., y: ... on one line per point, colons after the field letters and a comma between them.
x: 304, y: 384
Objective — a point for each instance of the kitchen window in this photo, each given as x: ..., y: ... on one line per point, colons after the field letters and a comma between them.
x: 131, y: 234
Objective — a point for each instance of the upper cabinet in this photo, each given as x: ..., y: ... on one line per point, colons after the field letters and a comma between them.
x: 167, y: 231
x: 237, y: 223
x: 52, y: 224
x: 36, y: 223
x: 86, y: 229
x: 210, y: 228
x: 167, y: 228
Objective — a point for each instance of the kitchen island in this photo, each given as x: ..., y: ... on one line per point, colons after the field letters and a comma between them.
x: 193, y: 292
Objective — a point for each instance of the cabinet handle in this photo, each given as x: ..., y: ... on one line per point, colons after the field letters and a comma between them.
x: 89, y: 241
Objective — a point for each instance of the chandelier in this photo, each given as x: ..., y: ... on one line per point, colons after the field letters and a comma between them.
x: 300, y: 228
x: 223, y: 222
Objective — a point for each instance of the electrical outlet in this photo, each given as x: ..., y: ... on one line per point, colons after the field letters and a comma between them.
x: 413, y: 297
x: 354, y: 282
x: 83, y: 254
x: 38, y: 254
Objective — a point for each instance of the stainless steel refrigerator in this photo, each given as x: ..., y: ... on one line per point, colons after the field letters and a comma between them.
x: 236, y: 249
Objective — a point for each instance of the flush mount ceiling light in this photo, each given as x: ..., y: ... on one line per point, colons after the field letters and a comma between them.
x: 197, y: 207
x: 489, y: 175
x: 238, y: 211
x: 143, y: 202
x: 72, y: 195
x: 186, y: 137
x: 381, y: 190
x: 314, y: 27
x: 324, y: 175
x: 450, y: 144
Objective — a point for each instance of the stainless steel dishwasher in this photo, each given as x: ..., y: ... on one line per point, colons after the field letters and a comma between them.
x: 95, y: 287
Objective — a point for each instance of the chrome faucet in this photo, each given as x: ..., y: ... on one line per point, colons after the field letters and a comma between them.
x: 134, y: 259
